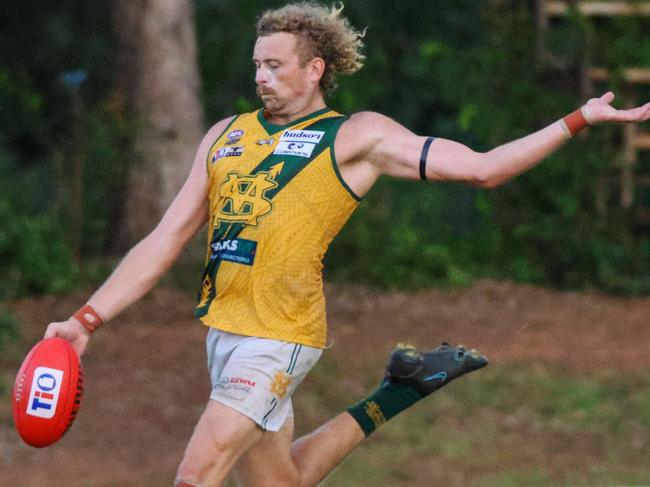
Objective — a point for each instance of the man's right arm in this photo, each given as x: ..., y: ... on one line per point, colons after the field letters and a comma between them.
x: 148, y: 260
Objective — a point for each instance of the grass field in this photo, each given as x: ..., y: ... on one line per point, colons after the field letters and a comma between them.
x: 514, y: 425
x: 565, y: 400
x: 509, y: 426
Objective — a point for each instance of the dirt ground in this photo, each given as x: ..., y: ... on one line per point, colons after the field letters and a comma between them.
x: 146, y: 380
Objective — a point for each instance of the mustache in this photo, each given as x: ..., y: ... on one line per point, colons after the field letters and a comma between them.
x: 264, y: 91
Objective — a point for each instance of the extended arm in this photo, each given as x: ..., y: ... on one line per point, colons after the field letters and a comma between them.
x: 148, y: 260
x: 391, y: 149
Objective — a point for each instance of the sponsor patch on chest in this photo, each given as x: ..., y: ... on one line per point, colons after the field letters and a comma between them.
x: 239, y: 251
x: 232, y: 151
x: 300, y: 143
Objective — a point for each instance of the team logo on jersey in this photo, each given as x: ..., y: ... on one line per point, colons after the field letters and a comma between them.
x: 300, y: 143
x: 375, y: 413
x: 243, y: 198
x: 269, y: 141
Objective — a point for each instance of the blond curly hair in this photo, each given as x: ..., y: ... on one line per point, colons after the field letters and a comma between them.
x: 321, y: 32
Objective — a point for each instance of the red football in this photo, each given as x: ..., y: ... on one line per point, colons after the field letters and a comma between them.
x: 47, y: 392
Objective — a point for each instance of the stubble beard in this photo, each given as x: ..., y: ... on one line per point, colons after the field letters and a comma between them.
x: 272, y: 104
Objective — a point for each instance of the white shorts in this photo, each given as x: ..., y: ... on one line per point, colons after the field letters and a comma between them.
x: 257, y: 376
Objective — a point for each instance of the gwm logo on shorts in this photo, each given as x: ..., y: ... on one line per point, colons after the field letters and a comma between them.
x: 236, y: 383
x: 44, y: 393
x: 299, y: 143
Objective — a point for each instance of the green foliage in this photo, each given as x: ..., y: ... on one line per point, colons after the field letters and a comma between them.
x: 518, y: 424
x: 37, y: 143
x: 8, y: 332
x: 389, y: 243
x: 471, y: 73
x: 34, y: 254
x: 459, y: 69
x: 105, y: 139
x: 566, y: 403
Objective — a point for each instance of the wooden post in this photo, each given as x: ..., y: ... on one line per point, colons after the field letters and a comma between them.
x: 633, y: 139
x: 77, y: 203
x: 542, y: 24
x: 598, y: 9
x: 73, y: 81
x: 629, y: 158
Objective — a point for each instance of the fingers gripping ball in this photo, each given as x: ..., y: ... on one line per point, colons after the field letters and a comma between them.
x: 47, y: 392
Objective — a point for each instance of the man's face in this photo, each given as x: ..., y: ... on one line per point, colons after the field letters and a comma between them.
x: 280, y: 79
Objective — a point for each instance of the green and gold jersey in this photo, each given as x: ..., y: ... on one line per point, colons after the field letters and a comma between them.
x: 276, y: 202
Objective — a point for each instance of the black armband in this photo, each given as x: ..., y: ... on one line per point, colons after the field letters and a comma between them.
x: 423, y: 158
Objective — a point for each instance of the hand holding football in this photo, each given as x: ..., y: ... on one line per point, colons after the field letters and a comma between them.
x: 47, y: 392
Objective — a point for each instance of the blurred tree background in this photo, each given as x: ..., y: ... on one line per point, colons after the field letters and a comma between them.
x: 72, y: 123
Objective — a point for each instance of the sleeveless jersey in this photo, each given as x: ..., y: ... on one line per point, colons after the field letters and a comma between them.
x: 276, y: 202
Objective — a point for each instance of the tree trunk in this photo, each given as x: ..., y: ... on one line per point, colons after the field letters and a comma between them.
x: 158, y: 87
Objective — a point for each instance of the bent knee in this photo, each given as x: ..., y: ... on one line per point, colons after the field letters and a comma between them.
x: 219, y: 439
x: 207, y: 458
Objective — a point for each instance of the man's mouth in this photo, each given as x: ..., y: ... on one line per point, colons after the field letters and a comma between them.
x: 264, y: 92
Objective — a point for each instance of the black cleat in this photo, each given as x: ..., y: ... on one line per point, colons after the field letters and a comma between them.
x: 429, y: 371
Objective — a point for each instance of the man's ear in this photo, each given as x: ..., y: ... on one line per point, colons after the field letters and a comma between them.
x: 316, y: 69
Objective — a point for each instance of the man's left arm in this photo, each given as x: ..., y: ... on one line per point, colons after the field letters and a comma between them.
x: 396, y: 151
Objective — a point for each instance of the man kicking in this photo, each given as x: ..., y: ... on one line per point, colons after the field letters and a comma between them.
x: 275, y: 186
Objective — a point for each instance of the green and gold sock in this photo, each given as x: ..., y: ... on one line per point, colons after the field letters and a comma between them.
x: 387, y: 401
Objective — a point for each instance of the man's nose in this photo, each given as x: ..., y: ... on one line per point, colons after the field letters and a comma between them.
x: 260, y: 76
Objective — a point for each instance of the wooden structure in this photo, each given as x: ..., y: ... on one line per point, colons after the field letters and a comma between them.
x: 625, y: 175
x: 596, y: 8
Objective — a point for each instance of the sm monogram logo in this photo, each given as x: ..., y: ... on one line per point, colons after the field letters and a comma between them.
x: 281, y: 382
x: 243, y: 198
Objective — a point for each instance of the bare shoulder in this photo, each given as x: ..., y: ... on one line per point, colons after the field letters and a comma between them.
x: 368, y: 135
x: 211, y: 136
x: 358, y: 148
x: 370, y: 117
x: 367, y: 125
x: 218, y: 128
x: 360, y: 134
x: 208, y: 140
